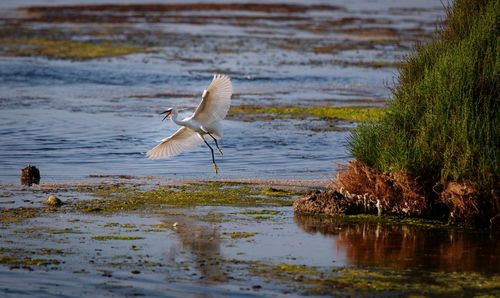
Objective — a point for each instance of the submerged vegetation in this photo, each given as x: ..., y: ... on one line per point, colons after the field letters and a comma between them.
x: 378, y: 281
x: 353, y: 114
x: 14, y: 261
x: 64, y: 49
x: 436, y: 151
x: 122, y: 198
x: 15, y: 215
x: 116, y: 237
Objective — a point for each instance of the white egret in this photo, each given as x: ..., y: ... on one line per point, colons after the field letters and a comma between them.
x: 206, y: 120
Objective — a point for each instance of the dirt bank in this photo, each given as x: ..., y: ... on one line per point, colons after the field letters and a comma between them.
x: 359, y: 189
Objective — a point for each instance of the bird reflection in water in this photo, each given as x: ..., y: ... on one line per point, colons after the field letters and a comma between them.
x: 198, y: 249
x: 403, y: 246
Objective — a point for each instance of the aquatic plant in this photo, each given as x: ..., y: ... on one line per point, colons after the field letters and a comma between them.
x: 64, y: 49
x: 353, y: 114
x: 121, y: 198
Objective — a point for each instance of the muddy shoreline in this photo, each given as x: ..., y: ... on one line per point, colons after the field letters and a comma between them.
x: 359, y: 189
x: 128, y: 235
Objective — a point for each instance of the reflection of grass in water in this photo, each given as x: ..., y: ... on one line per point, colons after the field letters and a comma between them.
x: 355, y: 114
x: 65, y: 49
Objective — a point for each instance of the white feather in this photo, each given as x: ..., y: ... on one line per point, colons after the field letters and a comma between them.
x: 182, y: 140
x: 216, y: 100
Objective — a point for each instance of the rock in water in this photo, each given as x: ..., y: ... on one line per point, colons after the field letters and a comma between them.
x: 53, y: 201
x: 30, y: 175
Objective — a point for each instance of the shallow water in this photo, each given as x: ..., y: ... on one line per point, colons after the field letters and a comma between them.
x: 193, y: 253
x: 77, y: 118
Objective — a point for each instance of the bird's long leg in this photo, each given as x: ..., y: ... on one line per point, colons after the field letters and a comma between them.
x: 213, y: 157
x: 216, y: 144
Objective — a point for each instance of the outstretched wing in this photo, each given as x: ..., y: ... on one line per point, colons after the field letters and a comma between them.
x: 216, y: 100
x: 182, y: 140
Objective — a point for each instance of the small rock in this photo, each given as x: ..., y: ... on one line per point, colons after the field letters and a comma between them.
x: 53, y: 201
x: 135, y: 272
x: 30, y: 175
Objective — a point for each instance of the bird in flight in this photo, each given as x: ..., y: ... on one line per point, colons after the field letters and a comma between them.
x: 205, y: 121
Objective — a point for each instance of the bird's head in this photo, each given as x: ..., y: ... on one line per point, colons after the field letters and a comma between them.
x: 167, y: 113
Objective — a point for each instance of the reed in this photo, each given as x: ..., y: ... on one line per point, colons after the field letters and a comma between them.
x: 443, y: 121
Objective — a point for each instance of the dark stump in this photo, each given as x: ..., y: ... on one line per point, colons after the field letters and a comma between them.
x: 30, y: 175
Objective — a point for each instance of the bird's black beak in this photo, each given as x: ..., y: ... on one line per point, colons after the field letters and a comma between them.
x: 167, y: 113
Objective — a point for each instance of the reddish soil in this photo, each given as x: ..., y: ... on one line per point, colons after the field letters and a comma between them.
x: 361, y: 189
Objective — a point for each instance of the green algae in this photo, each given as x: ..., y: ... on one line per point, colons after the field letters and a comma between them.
x: 260, y: 217
x: 116, y: 237
x: 115, y: 224
x: 271, y: 191
x: 153, y: 231
x: 261, y: 212
x: 47, y: 230
x: 121, y: 198
x: 16, y: 215
x: 16, y: 261
x: 5, y: 250
x: 64, y: 49
x: 352, y: 114
x: 63, y: 231
x: 377, y: 281
x: 52, y: 251
x: 444, y: 284
x: 370, y: 64
x: 240, y: 235
x: 212, y: 217
x: 283, y: 270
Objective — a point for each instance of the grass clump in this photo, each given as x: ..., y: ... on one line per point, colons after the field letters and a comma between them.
x: 443, y: 123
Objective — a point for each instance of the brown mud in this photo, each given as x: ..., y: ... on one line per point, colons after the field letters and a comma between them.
x: 359, y: 189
